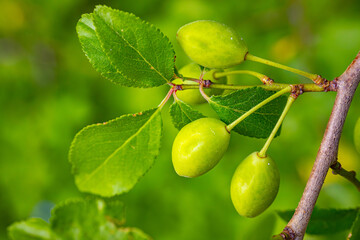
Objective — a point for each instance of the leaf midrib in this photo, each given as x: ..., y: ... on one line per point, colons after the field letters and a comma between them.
x: 118, y: 149
x: 137, y: 51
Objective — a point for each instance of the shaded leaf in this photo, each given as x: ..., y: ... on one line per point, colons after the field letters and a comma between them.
x: 355, y: 229
x: 131, y: 234
x: 136, y: 49
x: 32, y: 229
x: 109, y: 158
x: 182, y: 114
x: 79, y: 220
x: 326, y: 221
x: 260, y: 123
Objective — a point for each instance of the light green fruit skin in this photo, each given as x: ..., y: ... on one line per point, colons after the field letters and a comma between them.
x: 199, y: 146
x: 254, y: 185
x: 193, y: 96
x: 357, y: 135
x: 212, y: 44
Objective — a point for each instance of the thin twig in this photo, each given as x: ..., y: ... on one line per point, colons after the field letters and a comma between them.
x: 346, y: 85
x: 308, y: 87
x: 337, y: 169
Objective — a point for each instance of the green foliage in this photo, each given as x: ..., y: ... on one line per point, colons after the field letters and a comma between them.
x: 355, y: 229
x: 258, y: 124
x: 32, y: 229
x: 109, y: 158
x: 182, y: 114
x: 48, y: 91
x: 126, y: 49
x: 326, y: 221
x: 77, y: 220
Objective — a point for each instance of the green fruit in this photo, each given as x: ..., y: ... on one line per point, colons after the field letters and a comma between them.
x: 357, y: 135
x: 212, y: 44
x: 193, y: 96
x: 254, y: 185
x: 199, y: 146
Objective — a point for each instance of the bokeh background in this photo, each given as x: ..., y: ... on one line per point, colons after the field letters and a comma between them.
x: 49, y: 91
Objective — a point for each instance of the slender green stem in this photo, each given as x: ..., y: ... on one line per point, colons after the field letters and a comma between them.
x: 260, y: 76
x: 190, y: 79
x: 251, y: 57
x: 252, y: 110
x: 309, y: 87
x: 167, y: 97
x: 201, y: 89
x: 290, y: 101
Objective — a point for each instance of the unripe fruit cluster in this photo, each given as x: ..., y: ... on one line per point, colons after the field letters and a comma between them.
x: 201, y: 144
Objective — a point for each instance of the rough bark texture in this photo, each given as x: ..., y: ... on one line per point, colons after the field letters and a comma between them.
x: 346, y: 86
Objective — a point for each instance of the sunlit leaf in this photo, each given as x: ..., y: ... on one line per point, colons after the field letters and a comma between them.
x: 182, y: 114
x: 260, y: 123
x: 137, y: 50
x: 109, y: 158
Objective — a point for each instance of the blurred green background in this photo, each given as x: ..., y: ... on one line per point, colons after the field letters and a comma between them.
x: 49, y: 91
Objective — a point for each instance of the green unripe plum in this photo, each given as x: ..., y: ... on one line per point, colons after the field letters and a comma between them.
x: 193, y: 96
x: 254, y: 185
x: 212, y: 44
x: 357, y: 135
x: 199, y: 146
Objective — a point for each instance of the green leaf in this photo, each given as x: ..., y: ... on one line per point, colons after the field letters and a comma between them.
x: 109, y: 158
x: 326, y: 221
x: 96, y: 55
x: 131, y: 234
x: 136, y: 49
x: 260, y: 123
x: 79, y: 220
x: 32, y: 229
x: 355, y: 229
x: 182, y: 114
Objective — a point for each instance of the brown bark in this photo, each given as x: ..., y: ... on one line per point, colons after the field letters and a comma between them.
x: 346, y: 86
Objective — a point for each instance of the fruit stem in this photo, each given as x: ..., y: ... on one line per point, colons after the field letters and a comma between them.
x: 263, y: 78
x: 290, y: 101
x: 308, y: 87
x: 252, y: 110
x: 167, y: 97
x: 201, y: 89
x: 313, y: 77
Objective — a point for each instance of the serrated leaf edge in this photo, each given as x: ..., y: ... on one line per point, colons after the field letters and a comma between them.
x: 111, y: 63
x: 118, y: 118
x: 175, y: 102
x: 143, y: 22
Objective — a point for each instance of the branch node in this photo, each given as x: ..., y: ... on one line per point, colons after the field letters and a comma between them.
x: 319, y: 80
x: 297, y: 90
x: 286, y: 234
x: 335, y: 167
x: 333, y: 85
x: 178, y: 87
x: 267, y: 81
x: 207, y: 83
